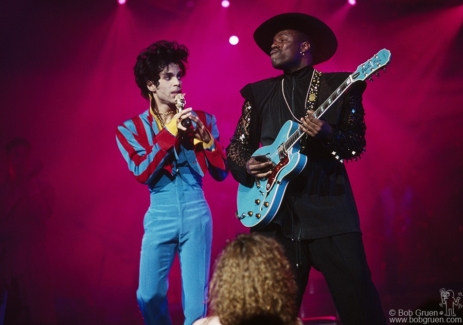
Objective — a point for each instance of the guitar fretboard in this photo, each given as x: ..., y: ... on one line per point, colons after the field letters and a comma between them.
x: 330, y: 100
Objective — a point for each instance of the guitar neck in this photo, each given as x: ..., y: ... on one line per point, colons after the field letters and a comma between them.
x: 297, y: 135
x: 334, y: 96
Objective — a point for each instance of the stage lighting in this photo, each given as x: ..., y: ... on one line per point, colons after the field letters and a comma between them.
x: 121, y: 2
x: 225, y: 3
x: 234, y: 40
x: 352, y: 2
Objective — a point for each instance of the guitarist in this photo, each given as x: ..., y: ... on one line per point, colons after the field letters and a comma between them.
x: 318, y: 222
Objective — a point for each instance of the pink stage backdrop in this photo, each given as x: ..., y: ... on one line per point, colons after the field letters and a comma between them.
x: 67, y: 82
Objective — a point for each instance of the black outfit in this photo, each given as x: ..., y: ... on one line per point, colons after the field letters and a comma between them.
x: 318, y: 222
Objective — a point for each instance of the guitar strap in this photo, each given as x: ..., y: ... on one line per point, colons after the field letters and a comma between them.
x: 314, y: 87
x: 313, y: 90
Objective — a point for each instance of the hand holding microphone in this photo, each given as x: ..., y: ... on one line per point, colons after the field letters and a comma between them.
x: 192, y: 123
x: 180, y: 104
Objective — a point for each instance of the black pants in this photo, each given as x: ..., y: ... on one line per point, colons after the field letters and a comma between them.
x: 342, y: 261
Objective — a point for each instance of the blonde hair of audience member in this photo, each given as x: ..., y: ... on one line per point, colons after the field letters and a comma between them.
x: 253, y: 284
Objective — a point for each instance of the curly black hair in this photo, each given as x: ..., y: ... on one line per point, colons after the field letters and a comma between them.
x: 152, y: 60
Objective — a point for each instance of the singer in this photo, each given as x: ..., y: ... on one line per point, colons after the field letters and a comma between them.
x: 171, y: 160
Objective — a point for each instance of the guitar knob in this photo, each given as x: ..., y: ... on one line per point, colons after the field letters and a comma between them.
x: 250, y: 213
x: 266, y: 204
x: 257, y: 201
x: 258, y: 216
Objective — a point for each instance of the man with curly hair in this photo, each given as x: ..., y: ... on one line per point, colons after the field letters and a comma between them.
x: 317, y: 222
x: 253, y: 284
x: 171, y: 158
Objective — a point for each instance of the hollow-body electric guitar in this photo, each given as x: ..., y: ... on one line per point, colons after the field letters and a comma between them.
x: 258, y: 205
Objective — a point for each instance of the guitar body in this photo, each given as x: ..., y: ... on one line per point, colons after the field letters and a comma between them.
x: 258, y: 205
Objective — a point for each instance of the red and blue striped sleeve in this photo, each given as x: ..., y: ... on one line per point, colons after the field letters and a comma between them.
x: 146, y: 153
x: 215, y: 155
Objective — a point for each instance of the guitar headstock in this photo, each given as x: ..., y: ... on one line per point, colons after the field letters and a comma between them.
x: 376, y: 63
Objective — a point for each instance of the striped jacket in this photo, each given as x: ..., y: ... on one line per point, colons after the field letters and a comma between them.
x: 148, y: 150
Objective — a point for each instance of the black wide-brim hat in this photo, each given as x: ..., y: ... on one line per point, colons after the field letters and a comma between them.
x: 323, y: 41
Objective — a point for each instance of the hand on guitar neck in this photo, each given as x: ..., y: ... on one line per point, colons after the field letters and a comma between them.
x: 316, y: 128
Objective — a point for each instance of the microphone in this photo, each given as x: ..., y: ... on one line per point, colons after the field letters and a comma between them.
x: 180, y: 104
x: 186, y: 122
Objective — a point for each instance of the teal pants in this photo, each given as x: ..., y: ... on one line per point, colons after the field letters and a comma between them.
x: 177, y: 221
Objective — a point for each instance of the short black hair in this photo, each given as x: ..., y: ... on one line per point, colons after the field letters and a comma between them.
x: 152, y: 60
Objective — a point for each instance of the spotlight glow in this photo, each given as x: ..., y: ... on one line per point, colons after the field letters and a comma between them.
x: 121, y: 2
x: 234, y: 40
x: 352, y: 2
x: 225, y: 3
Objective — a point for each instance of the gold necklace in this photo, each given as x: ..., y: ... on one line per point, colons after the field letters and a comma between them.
x: 155, y: 112
x: 165, y: 113
x: 159, y: 116
x: 311, y: 95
